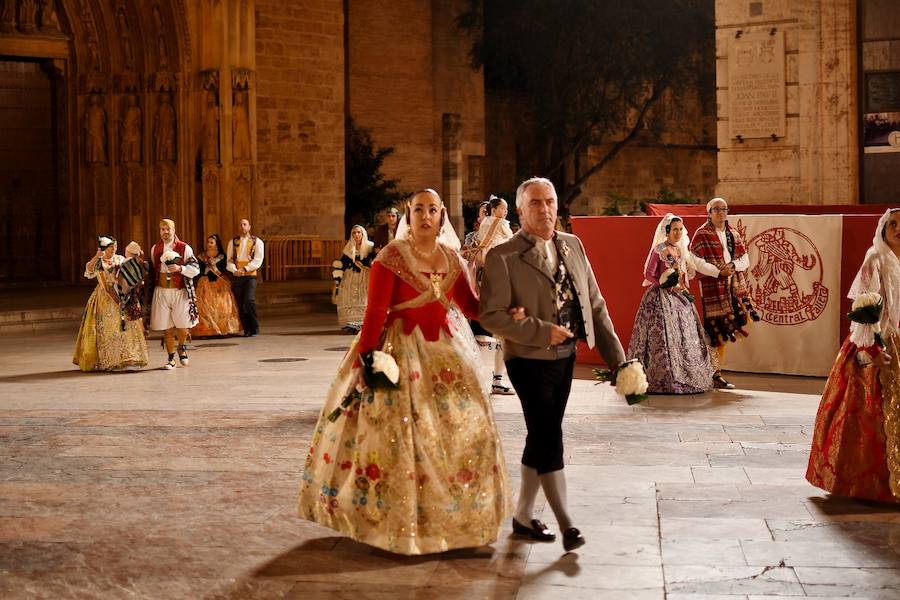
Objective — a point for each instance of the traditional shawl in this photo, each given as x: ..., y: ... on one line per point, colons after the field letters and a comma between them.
x: 726, y: 300
x: 397, y: 257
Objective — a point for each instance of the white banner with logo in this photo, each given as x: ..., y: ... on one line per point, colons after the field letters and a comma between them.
x: 794, y: 278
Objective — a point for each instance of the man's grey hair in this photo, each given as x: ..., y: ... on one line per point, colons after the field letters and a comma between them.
x: 520, y: 192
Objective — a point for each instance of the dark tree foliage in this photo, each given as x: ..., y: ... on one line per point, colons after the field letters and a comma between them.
x: 368, y: 192
x: 592, y: 69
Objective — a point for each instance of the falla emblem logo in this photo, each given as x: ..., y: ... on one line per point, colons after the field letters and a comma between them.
x: 785, y: 276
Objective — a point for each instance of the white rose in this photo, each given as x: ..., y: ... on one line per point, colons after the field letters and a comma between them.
x: 382, y: 362
x: 337, y: 273
x: 631, y: 380
x: 867, y: 299
x: 337, y: 264
x: 169, y: 256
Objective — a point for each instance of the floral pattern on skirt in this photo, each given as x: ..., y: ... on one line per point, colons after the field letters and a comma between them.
x: 414, y: 470
x: 669, y: 339
x: 101, y: 344
x: 856, y: 442
x: 217, y: 309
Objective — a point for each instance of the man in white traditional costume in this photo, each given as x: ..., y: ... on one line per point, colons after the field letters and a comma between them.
x: 174, y: 307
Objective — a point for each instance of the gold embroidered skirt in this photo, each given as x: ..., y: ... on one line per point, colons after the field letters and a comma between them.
x: 101, y: 344
x: 415, y: 470
x: 217, y: 309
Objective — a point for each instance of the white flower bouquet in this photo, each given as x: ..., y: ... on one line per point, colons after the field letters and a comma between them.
x: 669, y: 278
x: 169, y: 258
x: 380, y: 370
x: 629, y: 380
x: 866, y: 309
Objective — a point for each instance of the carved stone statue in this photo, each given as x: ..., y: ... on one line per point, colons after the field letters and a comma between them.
x: 241, y: 136
x: 125, y: 35
x: 27, y: 15
x: 163, y: 52
x: 49, y: 19
x: 95, y: 131
x: 209, y: 151
x: 7, y: 15
x: 131, y: 131
x: 164, y: 150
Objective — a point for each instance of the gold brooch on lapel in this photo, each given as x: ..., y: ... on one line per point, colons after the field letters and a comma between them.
x: 565, y: 249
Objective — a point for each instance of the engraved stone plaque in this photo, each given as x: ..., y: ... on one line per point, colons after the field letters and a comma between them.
x: 756, y: 91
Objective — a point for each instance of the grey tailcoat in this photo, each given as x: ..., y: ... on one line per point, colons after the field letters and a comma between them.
x: 516, y: 274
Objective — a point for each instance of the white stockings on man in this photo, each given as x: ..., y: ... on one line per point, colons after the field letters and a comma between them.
x: 554, y: 485
x: 531, y: 483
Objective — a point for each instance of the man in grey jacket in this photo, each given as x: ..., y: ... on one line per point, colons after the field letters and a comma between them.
x: 546, y: 275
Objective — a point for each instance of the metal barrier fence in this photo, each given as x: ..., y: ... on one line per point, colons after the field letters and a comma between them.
x: 285, y: 252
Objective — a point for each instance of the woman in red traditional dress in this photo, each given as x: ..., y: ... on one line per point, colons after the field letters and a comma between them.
x: 856, y: 442
x: 418, y: 468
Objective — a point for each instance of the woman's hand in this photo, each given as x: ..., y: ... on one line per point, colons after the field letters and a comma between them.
x: 882, y: 360
x: 99, y: 254
x: 517, y: 313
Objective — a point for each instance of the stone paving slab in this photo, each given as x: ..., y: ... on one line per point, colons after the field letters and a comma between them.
x: 183, y: 484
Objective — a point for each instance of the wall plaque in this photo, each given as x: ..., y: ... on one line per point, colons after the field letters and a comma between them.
x: 756, y: 92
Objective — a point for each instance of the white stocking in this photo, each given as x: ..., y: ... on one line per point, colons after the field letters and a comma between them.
x: 554, y: 484
x: 531, y: 483
x: 499, y: 365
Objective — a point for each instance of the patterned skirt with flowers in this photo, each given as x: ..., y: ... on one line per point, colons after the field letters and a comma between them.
x: 415, y: 470
x: 669, y: 340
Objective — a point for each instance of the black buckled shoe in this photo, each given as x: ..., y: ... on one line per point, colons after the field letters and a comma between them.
x: 572, y: 539
x: 538, y: 531
x: 720, y: 383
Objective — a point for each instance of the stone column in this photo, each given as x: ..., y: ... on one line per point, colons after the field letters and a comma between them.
x: 451, y: 169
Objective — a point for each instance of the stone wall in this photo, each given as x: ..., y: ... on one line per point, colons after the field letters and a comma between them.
x: 681, y: 160
x: 300, y: 117
x: 408, y: 67
x: 817, y: 160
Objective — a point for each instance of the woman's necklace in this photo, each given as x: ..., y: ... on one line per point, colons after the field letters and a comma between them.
x: 423, y: 255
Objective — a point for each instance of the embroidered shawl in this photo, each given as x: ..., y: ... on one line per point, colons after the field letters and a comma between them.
x: 720, y: 293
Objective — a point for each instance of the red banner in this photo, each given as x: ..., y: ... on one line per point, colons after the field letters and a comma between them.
x: 618, y: 246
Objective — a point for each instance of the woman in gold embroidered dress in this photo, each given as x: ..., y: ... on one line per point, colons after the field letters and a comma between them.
x: 856, y: 442
x: 216, y: 305
x: 107, y: 340
x: 417, y: 469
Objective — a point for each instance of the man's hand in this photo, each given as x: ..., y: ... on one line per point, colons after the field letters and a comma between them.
x: 559, y: 334
x: 239, y: 272
x: 727, y: 270
x: 174, y: 268
x: 517, y: 313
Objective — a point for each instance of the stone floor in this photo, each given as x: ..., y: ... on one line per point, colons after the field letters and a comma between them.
x: 182, y: 485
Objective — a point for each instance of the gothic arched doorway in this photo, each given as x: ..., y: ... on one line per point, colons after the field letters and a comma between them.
x: 99, y: 95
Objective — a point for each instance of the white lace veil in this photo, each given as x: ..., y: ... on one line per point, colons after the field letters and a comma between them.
x: 350, y: 246
x: 447, y: 236
x: 888, y: 269
x: 660, y: 236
